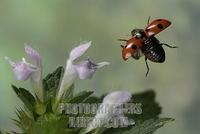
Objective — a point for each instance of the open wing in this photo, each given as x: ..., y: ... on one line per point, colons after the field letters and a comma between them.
x: 156, y: 26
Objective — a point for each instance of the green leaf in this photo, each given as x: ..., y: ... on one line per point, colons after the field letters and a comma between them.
x: 147, y: 127
x: 80, y: 97
x: 51, y: 82
x: 40, y: 108
x: 150, y: 108
x: 69, y: 93
x: 92, y: 99
x: 24, y: 120
x: 26, y: 97
x: 49, y: 124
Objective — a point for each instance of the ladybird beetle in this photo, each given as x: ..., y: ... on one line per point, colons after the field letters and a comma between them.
x: 143, y: 41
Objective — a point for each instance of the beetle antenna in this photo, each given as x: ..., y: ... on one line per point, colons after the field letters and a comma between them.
x: 148, y: 20
x: 122, y: 40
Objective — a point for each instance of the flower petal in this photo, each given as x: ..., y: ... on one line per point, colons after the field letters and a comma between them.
x: 33, y: 54
x: 117, y: 97
x: 68, y: 79
x: 111, y: 102
x: 22, y: 70
x: 85, y: 70
x: 36, y: 77
x: 71, y: 70
x: 79, y: 51
x: 12, y: 63
x: 102, y: 64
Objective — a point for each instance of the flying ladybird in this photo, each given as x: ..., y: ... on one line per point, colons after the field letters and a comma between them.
x: 146, y: 43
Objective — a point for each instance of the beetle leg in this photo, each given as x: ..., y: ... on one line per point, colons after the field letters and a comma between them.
x: 147, y: 66
x: 169, y: 45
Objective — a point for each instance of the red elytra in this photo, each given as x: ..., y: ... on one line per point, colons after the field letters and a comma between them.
x: 156, y: 26
x: 132, y: 46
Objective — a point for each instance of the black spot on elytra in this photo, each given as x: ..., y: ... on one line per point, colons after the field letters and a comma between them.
x: 134, y: 47
x: 159, y: 19
x: 160, y: 26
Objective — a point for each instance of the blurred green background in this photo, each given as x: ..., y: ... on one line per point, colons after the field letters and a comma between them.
x: 54, y: 27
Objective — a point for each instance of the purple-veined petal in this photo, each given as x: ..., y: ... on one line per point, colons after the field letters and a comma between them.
x: 83, y: 70
x: 71, y: 72
x: 33, y: 54
x: 79, y: 51
x: 87, y: 68
x: 22, y: 70
x: 36, y: 77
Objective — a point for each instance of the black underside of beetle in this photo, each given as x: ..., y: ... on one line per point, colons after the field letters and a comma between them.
x: 153, y: 50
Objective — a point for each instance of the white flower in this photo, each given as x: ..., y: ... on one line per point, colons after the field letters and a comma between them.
x: 86, y: 68
x: 37, y: 61
x: 83, y: 70
x: 117, y: 97
x: 110, y: 108
x: 23, y: 70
